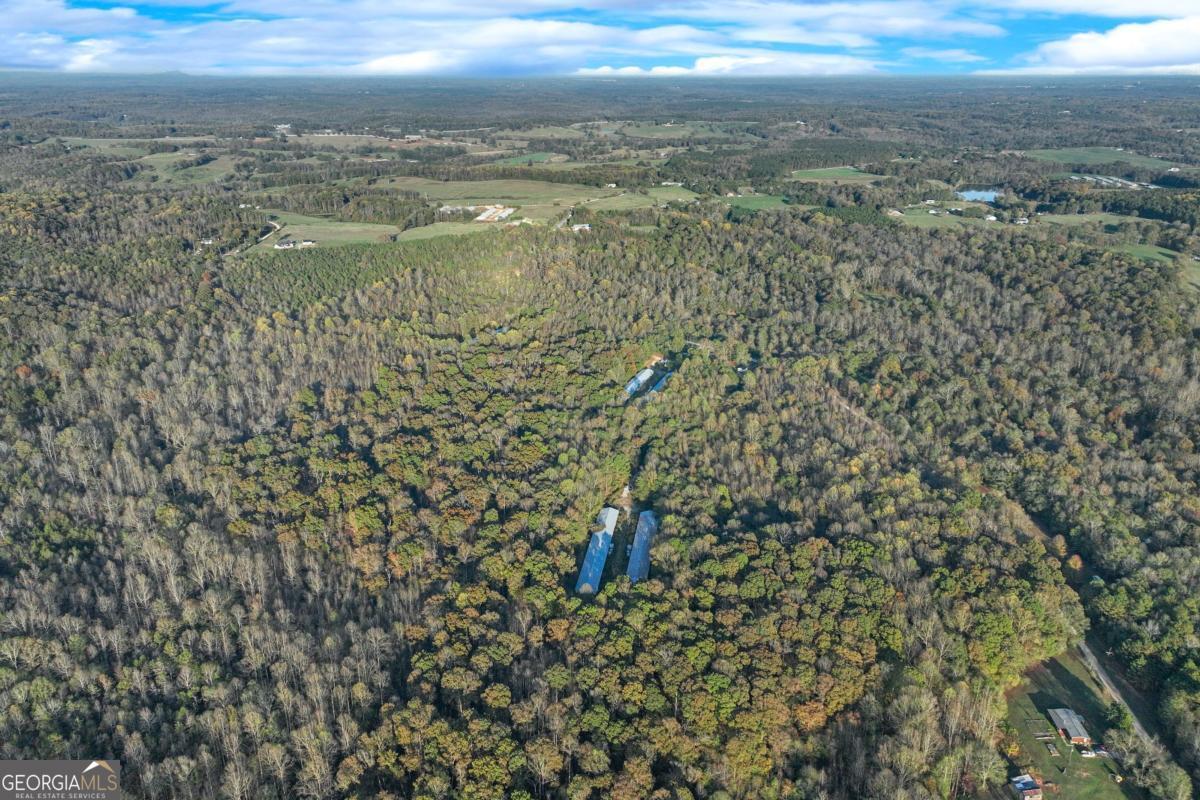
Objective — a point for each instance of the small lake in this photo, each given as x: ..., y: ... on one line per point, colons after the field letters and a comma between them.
x: 979, y: 195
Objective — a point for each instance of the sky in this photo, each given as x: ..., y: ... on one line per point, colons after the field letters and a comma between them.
x: 604, y: 37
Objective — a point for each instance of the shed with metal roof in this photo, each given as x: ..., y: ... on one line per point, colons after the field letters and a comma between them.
x: 639, y: 554
x: 592, y: 569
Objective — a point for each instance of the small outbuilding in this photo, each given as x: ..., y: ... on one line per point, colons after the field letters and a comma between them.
x: 638, y: 381
x: 1070, y: 725
x: 592, y: 569
x: 639, y: 555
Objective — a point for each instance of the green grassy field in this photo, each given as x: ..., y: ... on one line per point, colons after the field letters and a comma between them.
x: 919, y: 217
x: 163, y: 168
x: 1096, y: 155
x: 835, y: 175
x: 654, y: 196
x: 543, y: 132
x: 1150, y: 252
x: 325, y: 232
x: 525, y: 158
x: 756, y: 202
x: 445, y: 229
x: 673, y: 130
x: 1063, y: 682
x: 113, y: 147
x: 130, y: 147
x: 1083, y: 219
x: 539, y: 200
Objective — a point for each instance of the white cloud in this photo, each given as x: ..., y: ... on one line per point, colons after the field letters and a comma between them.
x: 760, y: 64
x: 955, y: 55
x: 1167, y: 46
x: 709, y: 37
x: 1134, y: 9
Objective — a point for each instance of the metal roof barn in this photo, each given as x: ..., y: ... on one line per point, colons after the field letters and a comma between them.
x: 592, y: 568
x: 1071, y: 725
x: 638, y: 381
x: 639, y: 556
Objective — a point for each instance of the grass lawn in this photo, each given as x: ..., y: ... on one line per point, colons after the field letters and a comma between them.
x: 525, y: 158
x: 1191, y: 273
x: 1084, y: 219
x: 544, y: 132
x: 756, y: 202
x: 919, y: 217
x: 539, y: 200
x: 1097, y: 155
x: 835, y: 175
x: 673, y: 130
x: 1063, y: 682
x: 163, y: 168
x: 325, y: 232
x: 445, y: 229
x: 112, y: 147
x: 654, y: 196
x: 131, y: 147
x: 1150, y: 252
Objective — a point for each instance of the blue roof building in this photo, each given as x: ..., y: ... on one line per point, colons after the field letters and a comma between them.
x: 661, y: 383
x: 592, y: 568
x: 638, y: 381
x: 639, y: 555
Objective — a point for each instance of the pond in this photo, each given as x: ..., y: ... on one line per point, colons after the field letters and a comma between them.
x: 979, y: 195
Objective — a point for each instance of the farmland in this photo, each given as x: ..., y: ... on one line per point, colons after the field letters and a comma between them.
x: 1150, y: 252
x: 326, y: 232
x: 835, y: 175
x: 1097, y: 155
x: 1061, y: 682
x: 535, y: 199
x: 526, y: 158
x: 757, y: 202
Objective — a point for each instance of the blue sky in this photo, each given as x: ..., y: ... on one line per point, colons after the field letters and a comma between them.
x: 604, y: 37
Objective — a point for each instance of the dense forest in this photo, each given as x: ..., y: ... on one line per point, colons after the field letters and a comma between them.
x: 307, y: 523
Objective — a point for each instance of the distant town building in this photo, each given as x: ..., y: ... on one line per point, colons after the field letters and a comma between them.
x: 592, y: 569
x: 639, y: 556
x: 638, y: 381
x: 1070, y: 725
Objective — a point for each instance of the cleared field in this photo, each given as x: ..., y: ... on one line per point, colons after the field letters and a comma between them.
x: 538, y: 200
x: 164, y: 168
x: 113, y: 147
x: 919, y: 217
x: 325, y: 232
x: 129, y: 147
x: 1063, y: 682
x: 543, y: 132
x: 673, y: 130
x: 1150, y: 252
x: 1084, y: 219
x: 525, y: 158
x: 655, y: 196
x: 756, y: 202
x: 1191, y: 273
x: 1096, y: 155
x: 835, y: 175
x: 444, y: 229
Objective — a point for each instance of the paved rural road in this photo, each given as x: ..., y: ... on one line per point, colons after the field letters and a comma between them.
x: 1094, y: 665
